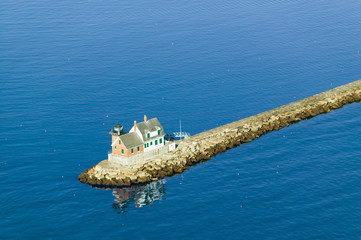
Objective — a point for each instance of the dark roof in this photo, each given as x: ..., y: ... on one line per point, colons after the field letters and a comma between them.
x: 151, y: 125
x: 131, y: 140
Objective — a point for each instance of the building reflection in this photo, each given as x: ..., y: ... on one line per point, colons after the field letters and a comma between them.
x: 138, y: 195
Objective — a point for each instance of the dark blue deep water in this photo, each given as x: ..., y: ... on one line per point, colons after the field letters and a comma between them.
x: 69, y: 70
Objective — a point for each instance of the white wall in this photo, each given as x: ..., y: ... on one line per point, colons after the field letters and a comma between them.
x: 153, y: 134
x: 150, y: 148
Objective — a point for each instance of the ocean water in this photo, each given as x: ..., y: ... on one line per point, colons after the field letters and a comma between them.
x: 69, y: 70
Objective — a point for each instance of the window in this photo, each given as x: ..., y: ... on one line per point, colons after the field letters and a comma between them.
x: 148, y: 135
x: 115, y: 147
x: 158, y: 131
x: 156, y: 142
x: 122, y: 151
x: 145, y: 145
x: 160, y: 140
x: 138, y: 149
x: 120, y: 142
x: 132, y: 150
x: 151, y: 143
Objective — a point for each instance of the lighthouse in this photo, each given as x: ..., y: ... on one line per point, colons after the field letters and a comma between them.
x: 118, y: 129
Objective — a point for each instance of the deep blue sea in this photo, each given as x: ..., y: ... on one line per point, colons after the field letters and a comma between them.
x: 70, y: 70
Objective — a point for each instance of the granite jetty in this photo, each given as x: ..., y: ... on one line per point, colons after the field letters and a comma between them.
x: 203, y: 146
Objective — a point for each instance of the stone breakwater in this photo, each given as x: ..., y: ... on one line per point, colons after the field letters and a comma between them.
x: 203, y: 146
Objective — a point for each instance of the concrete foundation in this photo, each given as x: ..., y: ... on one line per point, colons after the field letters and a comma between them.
x: 141, y: 158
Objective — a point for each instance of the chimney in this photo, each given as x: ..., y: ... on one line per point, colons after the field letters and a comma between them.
x: 135, y: 126
x: 145, y: 118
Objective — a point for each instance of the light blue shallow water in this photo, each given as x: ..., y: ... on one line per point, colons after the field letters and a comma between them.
x: 69, y: 70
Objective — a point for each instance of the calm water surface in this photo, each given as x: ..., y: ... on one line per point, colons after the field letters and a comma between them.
x: 69, y: 70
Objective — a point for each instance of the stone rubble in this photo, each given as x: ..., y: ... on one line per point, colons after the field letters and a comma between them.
x: 203, y: 146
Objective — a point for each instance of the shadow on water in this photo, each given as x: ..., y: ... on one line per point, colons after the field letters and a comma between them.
x: 138, y: 195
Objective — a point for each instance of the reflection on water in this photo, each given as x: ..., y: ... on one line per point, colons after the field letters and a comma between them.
x: 140, y: 195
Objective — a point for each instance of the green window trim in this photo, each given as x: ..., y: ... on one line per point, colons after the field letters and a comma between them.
x: 147, y: 144
x: 122, y: 151
x: 132, y: 150
x: 159, y: 132
x: 138, y: 148
x: 160, y: 140
x: 151, y: 143
x: 156, y: 142
x: 115, y: 147
x: 120, y: 142
x: 148, y: 135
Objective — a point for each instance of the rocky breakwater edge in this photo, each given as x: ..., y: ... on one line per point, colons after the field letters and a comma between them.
x: 203, y: 146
